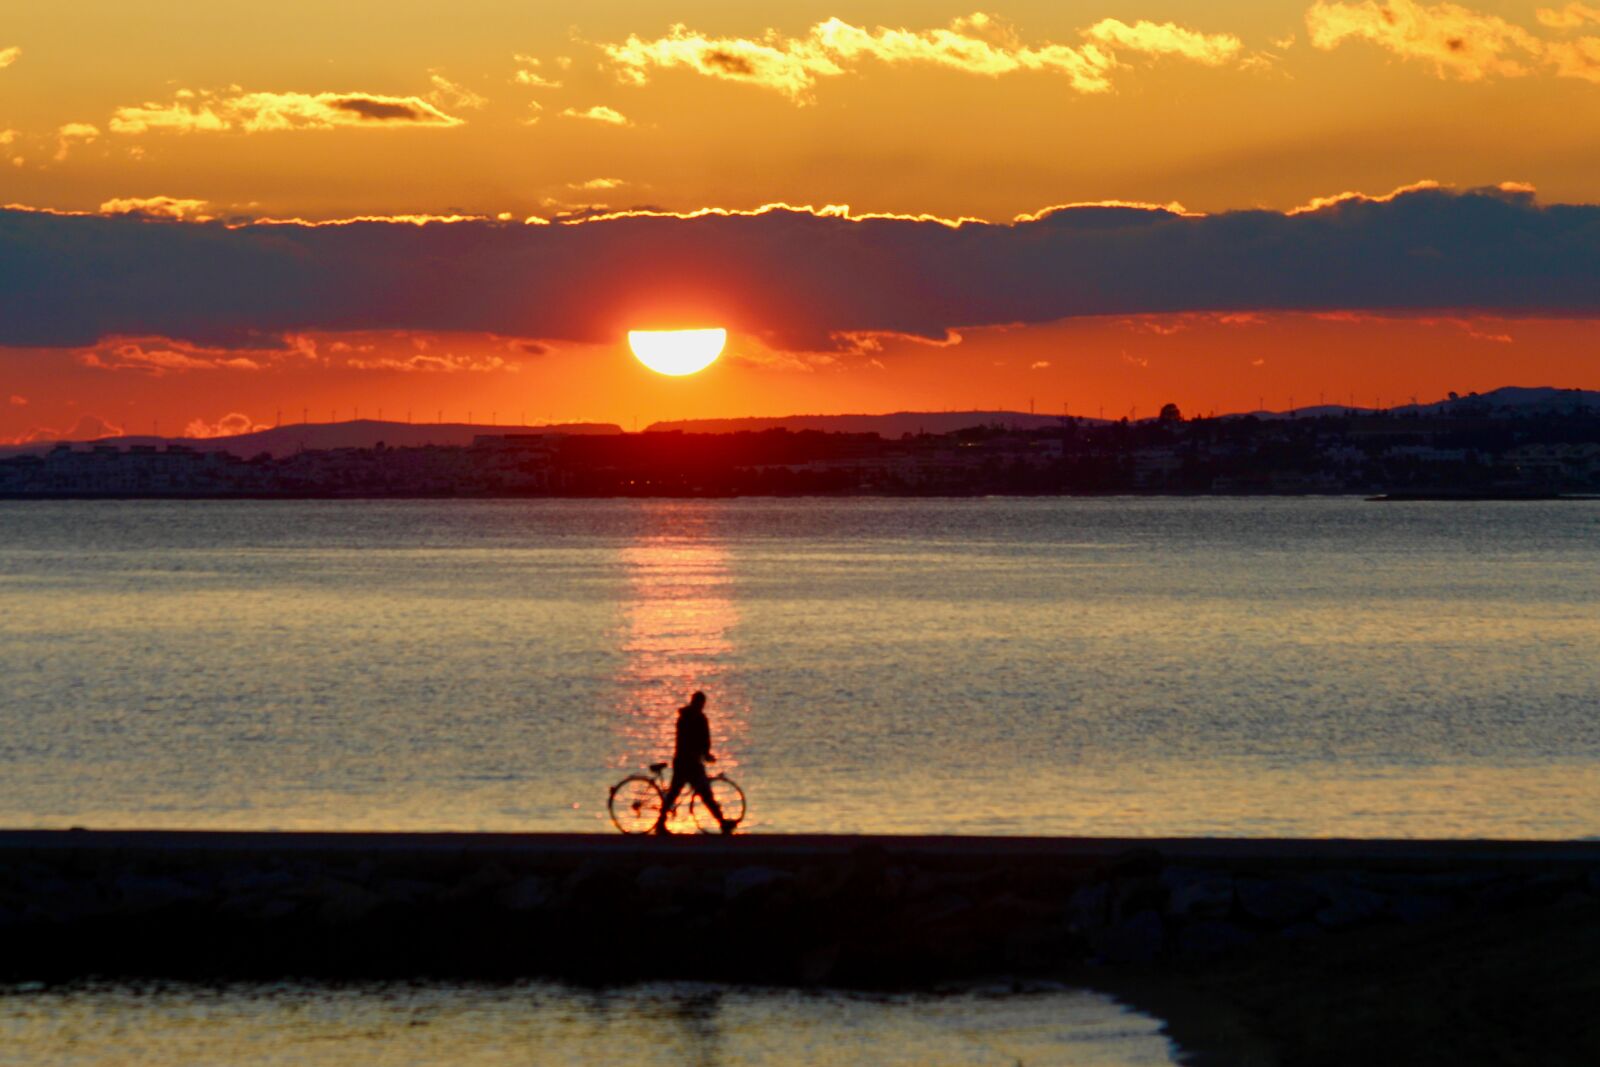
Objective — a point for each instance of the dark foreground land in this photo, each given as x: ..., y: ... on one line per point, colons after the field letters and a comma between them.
x: 1255, y: 951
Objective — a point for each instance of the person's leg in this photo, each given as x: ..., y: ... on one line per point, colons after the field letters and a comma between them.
x: 702, y: 788
x: 670, y: 799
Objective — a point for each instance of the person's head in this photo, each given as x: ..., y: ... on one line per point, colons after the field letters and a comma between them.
x: 698, y: 700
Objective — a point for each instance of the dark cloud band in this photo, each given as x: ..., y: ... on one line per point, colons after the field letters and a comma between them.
x: 799, y: 278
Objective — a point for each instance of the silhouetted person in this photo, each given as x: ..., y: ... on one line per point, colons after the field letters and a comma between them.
x: 691, y: 751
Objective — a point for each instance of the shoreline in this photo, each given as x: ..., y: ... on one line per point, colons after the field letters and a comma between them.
x: 1249, y: 950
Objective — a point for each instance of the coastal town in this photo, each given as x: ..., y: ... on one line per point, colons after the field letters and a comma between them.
x: 1452, y: 451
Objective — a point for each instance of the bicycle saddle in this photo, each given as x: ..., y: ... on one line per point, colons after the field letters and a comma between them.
x: 657, y: 768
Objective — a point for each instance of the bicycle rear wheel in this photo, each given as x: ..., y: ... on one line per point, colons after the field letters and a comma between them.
x: 636, y: 804
x: 729, y: 797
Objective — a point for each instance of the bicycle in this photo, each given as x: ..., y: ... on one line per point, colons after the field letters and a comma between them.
x: 635, y: 802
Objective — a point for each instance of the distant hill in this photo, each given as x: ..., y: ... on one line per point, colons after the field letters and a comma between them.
x: 1513, y: 400
x: 1508, y: 400
x: 360, y: 433
x: 889, y: 426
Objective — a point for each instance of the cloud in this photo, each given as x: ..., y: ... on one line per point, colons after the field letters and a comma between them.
x: 799, y: 278
x: 449, y: 94
x: 435, y: 364
x: 977, y: 44
x: 1166, y: 39
x: 87, y: 428
x: 18, y: 401
x: 73, y: 133
x: 599, y: 113
x: 1039, y: 364
x: 1568, y: 18
x: 598, y: 183
x: 256, y: 112
x: 158, y: 207
x: 527, y: 75
x: 9, y: 56
x: 1460, y: 43
x: 158, y: 356
x: 230, y: 425
x: 162, y: 357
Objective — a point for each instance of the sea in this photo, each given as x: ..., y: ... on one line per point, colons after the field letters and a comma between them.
x: 1258, y: 667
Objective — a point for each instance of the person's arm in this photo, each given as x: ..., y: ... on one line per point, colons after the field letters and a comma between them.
x: 705, y: 739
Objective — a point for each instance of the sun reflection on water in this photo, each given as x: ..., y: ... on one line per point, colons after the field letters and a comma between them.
x: 676, y: 637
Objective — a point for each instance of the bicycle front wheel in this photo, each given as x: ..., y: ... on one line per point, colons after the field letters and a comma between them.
x: 729, y: 797
x: 636, y: 804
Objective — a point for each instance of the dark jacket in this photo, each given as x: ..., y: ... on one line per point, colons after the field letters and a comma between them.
x: 693, y: 740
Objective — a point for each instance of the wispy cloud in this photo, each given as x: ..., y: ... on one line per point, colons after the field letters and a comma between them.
x: 1166, y: 39
x: 9, y: 56
x: 599, y: 113
x: 1459, y: 42
x: 1568, y: 18
x: 158, y: 207
x: 978, y: 44
x: 74, y: 133
x: 164, y: 357
x: 87, y: 428
x: 598, y: 183
x: 527, y: 73
x: 428, y: 363
x: 447, y: 93
x: 256, y: 112
x: 161, y: 356
x: 230, y: 425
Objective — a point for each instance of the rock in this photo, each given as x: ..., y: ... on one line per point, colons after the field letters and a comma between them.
x: 939, y: 908
x: 138, y: 894
x: 1349, y: 905
x: 1211, y: 897
x: 1416, y: 908
x: 747, y: 880
x: 1275, y: 901
x: 597, y: 886
x: 345, y: 902
x: 252, y: 879
x: 486, y: 880
x: 406, y: 890
x: 1138, y: 940
x: 658, y: 880
x: 1210, y: 938
x: 1130, y: 896
x: 527, y: 894
x: 816, y: 964
x: 1301, y: 931
x: 258, y: 907
x: 1037, y: 947
x: 1090, y: 907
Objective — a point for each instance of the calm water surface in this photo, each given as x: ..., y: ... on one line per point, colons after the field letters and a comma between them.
x: 545, y: 1023
x: 1122, y: 666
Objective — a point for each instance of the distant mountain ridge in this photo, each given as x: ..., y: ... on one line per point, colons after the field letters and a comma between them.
x: 893, y: 424
x: 358, y: 433
x: 1511, y: 400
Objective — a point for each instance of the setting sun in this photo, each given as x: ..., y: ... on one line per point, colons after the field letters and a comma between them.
x: 677, y: 352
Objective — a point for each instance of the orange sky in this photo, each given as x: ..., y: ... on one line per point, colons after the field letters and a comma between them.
x: 323, y: 111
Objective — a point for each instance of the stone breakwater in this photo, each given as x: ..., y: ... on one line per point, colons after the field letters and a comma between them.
x: 840, y: 910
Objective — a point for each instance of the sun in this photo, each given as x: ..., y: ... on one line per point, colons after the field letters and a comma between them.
x: 677, y: 352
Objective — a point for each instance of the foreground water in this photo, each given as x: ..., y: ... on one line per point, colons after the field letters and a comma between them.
x: 1125, y: 666
x: 547, y: 1023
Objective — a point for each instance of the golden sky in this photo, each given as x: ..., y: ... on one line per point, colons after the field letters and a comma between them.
x: 318, y: 111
